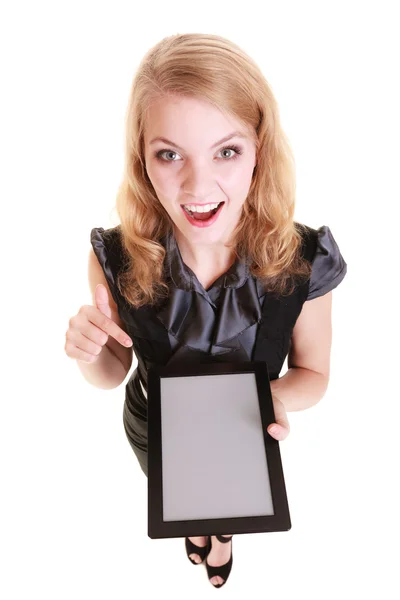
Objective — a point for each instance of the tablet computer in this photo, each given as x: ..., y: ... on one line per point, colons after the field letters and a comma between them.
x: 212, y: 465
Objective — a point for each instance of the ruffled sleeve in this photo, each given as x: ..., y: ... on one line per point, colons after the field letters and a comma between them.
x: 105, y: 243
x: 328, y: 265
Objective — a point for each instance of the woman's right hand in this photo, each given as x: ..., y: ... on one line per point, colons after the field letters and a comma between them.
x: 89, y: 329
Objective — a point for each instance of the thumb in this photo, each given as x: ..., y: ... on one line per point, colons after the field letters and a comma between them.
x: 102, y: 300
x: 280, y: 429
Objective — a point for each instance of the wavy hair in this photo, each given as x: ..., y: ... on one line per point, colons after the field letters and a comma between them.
x: 214, y: 69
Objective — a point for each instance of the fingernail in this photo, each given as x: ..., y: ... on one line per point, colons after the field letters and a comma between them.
x: 274, y: 429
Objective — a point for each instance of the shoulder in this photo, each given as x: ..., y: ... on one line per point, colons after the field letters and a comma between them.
x: 107, y: 240
x: 329, y: 268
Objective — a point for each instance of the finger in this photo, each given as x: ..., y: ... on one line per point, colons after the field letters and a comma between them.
x: 74, y: 352
x: 278, y: 432
x: 86, y: 343
x: 280, y: 429
x: 108, y: 325
x: 102, y: 301
x: 280, y: 414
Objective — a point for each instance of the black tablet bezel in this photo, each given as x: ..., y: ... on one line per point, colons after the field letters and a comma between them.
x: 157, y: 528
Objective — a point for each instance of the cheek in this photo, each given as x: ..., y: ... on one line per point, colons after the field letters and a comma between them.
x: 238, y: 179
x: 161, y: 178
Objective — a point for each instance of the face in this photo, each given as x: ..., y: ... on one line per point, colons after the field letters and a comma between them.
x: 193, y: 166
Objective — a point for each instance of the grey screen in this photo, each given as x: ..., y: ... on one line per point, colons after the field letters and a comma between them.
x: 214, y: 463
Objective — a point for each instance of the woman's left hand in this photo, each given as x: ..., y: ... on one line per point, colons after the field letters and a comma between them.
x: 281, y: 428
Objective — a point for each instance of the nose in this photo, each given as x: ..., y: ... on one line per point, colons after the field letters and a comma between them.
x: 199, y: 182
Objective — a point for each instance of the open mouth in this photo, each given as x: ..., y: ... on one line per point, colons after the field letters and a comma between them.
x: 203, y: 216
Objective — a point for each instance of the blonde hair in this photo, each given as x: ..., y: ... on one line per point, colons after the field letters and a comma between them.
x: 214, y: 69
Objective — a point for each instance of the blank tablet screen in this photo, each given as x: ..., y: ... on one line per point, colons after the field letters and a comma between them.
x: 212, y: 466
x: 212, y: 441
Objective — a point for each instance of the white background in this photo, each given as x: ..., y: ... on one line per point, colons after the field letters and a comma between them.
x: 74, y: 499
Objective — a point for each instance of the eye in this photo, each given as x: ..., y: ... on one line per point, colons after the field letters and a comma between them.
x: 161, y: 152
x: 236, y: 149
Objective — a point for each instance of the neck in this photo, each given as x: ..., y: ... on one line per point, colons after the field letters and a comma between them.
x: 202, y: 257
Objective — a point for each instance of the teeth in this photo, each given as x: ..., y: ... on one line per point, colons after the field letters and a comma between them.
x: 204, y: 208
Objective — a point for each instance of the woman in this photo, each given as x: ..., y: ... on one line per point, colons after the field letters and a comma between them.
x: 207, y: 263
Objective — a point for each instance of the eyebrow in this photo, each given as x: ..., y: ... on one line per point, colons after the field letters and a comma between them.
x: 224, y: 139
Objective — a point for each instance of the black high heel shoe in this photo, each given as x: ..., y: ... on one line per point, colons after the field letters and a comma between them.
x: 193, y: 549
x: 224, y: 570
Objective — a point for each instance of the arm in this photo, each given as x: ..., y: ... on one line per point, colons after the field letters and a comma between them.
x: 307, y: 378
x: 106, y: 373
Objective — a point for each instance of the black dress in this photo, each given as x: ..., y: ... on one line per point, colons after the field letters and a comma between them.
x: 234, y: 320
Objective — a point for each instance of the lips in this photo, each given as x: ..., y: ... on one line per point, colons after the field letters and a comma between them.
x: 208, y: 222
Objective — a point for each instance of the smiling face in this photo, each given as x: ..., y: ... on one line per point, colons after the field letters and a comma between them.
x: 192, y: 165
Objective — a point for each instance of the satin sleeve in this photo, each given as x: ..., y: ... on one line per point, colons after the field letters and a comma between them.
x: 328, y: 265
x: 104, y: 246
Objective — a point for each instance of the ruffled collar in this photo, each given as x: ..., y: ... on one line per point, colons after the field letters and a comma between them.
x: 209, y: 320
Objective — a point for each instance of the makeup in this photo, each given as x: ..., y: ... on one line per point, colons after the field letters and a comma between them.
x: 204, y: 223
